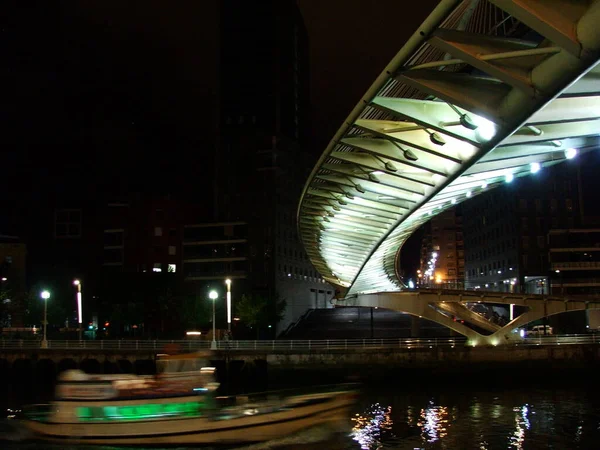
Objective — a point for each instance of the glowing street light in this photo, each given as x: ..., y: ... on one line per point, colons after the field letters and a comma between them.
x: 45, y: 296
x: 213, y: 296
x: 79, y: 305
x: 228, y: 283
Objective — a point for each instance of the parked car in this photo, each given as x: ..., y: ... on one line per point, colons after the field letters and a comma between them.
x: 538, y: 330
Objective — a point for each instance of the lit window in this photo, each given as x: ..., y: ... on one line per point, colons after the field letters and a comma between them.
x: 172, y: 268
x: 157, y: 267
x: 157, y: 231
x: 172, y: 250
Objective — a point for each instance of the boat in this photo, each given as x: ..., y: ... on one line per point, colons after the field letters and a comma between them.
x: 178, y: 405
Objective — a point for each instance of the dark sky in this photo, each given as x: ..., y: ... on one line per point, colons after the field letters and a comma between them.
x: 136, y: 79
x: 351, y: 41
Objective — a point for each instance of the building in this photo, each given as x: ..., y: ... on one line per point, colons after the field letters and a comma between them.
x: 506, y: 229
x: 221, y: 205
x: 13, y: 288
x: 264, y: 128
x: 574, y: 256
x: 442, y: 250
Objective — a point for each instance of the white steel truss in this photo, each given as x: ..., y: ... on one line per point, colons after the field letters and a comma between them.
x: 459, y: 110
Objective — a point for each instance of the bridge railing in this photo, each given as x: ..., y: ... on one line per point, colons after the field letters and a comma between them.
x: 278, y: 345
x: 159, y: 346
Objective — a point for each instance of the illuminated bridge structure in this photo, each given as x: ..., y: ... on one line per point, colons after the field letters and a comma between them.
x: 483, y: 92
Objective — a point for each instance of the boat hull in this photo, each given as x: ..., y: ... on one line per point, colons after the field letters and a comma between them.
x: 332, y: 411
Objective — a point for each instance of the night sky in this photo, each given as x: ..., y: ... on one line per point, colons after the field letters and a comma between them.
x: 87, y: 82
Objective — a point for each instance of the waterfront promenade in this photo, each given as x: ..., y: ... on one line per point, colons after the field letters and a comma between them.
x: 319, y: 354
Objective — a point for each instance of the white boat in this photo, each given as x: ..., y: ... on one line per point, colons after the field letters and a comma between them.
x: 178, y: 406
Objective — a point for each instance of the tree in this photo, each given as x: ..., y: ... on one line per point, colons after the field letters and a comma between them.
x: 258, y: 312
x: 194, y: 312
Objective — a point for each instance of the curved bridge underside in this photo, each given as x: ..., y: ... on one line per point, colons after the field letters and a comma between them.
x: 483, y: 92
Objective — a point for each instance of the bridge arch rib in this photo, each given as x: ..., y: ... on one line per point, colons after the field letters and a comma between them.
x: 483, y: 92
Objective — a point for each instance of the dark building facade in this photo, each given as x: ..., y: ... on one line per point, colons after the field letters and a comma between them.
x: 13, y: 288
x: 264, y: 110
x: 506, y: 229
x: 192, y: 206
x: 574, y: 256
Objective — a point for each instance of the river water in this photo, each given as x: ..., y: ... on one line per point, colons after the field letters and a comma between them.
x: 444, y: 416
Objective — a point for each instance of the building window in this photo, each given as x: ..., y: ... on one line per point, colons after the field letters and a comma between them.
x: 157, y: 268
x: 172, y: 250
x: 541, y: 242
x: 67, y: 223
x: 113, y: 256
x: 157, y: 231
x: 113, y: 238
x: 172, y: 268
x: 569, y: 204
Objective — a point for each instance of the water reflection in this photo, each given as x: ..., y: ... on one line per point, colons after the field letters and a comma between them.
x: 522, y: 423
x: 433, y: 422
x: 368, y: 428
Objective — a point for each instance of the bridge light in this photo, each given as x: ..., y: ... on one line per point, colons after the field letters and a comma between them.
x: 535, y: 167
x: 486, y: 129
x: 570, y: 153
x: 484, y: 185
x: 373, y: 176
x: 435, y: 138
x: 509, y: 177
x: 409, y: 155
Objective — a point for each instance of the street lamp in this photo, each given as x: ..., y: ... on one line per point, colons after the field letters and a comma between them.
x: 79, y: 305
x: 228, y: 283
x: 213, y: 296
x: 45, y: 295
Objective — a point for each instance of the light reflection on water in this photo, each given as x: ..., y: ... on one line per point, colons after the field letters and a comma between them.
x: 370, y: 425
x: 451, y: 418
x: 523, y: 419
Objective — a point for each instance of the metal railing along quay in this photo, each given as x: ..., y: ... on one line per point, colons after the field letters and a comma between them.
x: 284, y: 345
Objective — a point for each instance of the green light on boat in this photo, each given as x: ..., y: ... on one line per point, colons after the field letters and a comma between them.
x: 137, y: 412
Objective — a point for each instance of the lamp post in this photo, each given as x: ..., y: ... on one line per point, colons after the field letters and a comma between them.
x: 79, y: 305
x: 228, y: 283
x: 213, y: 296
x: 45, y: 295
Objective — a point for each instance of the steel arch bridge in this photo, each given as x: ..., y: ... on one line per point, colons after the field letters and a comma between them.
x: 483, y: 92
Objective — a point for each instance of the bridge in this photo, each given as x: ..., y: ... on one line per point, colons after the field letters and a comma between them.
x: 453, y: 307
x: 482, y: 93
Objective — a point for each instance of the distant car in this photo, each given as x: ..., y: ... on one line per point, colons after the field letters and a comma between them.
x: 538, y: 330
